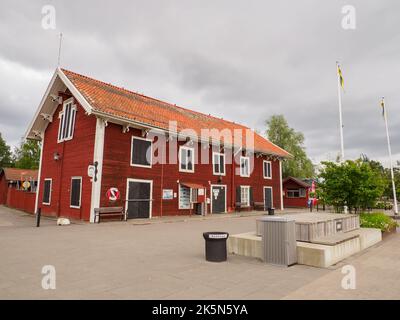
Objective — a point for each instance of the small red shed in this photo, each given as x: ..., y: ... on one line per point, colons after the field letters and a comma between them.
x: 296, y: 192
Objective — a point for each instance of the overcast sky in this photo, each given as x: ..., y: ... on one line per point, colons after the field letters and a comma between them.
x: 240, y: 60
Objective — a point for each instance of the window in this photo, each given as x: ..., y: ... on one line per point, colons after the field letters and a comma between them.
x: 244, y: 167
x: 76, y: 190
x: 245, y: 195
x: 267, y: 169
x: 67, y: 121
x: 302, y: 193
x: 141, y: 152
x: 184, y: 197
x: 218, y: 163
x: 296, y: 193
x: 47, y: 191
x: 186, y: 159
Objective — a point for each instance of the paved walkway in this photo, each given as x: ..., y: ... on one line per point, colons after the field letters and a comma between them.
x: 119, y: 260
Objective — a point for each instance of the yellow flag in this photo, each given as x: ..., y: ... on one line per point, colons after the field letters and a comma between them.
x: 383, y: 106
x: 340, y: 76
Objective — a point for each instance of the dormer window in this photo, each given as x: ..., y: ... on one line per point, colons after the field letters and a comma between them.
x: 67, y: 121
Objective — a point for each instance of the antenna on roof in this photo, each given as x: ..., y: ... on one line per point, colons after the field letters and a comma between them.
x: 59, y: 50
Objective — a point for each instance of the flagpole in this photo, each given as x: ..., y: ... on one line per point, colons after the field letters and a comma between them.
x: 390, y: 157
x: 340, y: 113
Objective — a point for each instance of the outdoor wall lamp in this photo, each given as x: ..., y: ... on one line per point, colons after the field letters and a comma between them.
x: 56, y: 156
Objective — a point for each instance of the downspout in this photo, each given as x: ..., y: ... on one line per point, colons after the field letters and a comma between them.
x: 233, y: 189
x: 61, y: 176
x: 162, y: 184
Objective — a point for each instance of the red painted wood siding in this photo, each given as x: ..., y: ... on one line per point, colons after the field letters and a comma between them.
x: 117, y: 168
x: 21, y: 200
x: 76, y: 155
x: 294, y: 202
x: 3, y: 189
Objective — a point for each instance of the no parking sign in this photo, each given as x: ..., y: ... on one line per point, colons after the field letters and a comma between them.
x: 113, y: 194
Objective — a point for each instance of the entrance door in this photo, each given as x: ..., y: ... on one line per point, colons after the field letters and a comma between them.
x: 139, y: 199
x: 268, y: 197
x: 218, y: 199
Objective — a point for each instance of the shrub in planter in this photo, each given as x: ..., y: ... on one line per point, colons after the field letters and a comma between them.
x: 377, y: 220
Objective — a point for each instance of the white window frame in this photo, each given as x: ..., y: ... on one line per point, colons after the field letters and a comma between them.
x: 270, y: 169
x: 80, y: 193
x: 248, y: 195
x: 181, y: 148
x: 51, y: 185
x: 74, y: 110
x: 248, y: 166
x: 219, y: 163
x: 151, y: 153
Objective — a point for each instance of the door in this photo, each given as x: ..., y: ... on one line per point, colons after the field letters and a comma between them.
x: 139, y: 199
x: 218, y: 199
x: 268, y: 198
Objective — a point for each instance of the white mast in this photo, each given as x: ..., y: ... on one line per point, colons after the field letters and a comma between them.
x: 340, y: 111
x: 390, y: 156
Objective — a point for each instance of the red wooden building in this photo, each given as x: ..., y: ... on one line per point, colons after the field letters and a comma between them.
x: 155, y: 154
x: 296, y: 192
x: 18, y: 188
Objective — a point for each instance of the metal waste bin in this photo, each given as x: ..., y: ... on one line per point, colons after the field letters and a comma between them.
x: 271, y: 211
x: 216, y: 246
x: 278, y: 240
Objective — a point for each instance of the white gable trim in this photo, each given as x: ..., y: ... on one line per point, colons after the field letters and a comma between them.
x: 75, y: 92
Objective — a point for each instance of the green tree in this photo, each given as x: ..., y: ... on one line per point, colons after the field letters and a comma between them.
x: 5, y: 154
x: 352, y: 183
x: 27, y: 155
x: 279, y: 133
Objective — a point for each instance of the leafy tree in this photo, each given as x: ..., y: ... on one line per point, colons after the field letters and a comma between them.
x: 27, y: 156
x: 5, y: 154
x: 355, y: 184
x: 281, y: 134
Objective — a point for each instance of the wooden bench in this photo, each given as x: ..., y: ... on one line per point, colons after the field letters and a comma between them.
x: 109, y: 211
x: 259, y: 206
x: 239, y: 206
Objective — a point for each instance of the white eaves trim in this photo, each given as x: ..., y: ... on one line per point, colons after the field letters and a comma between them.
x: 75, y: 92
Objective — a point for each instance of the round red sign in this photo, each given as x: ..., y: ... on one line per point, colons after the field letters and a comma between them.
x: 113, y: 194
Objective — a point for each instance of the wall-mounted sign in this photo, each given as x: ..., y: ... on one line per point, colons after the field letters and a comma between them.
x: 113, y: 194
x: 168, y: 194
x: 26, y: 185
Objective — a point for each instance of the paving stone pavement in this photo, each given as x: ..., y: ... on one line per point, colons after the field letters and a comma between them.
x: 117, y: 260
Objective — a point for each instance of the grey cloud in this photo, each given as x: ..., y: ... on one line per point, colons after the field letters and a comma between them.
x: 243, y: 61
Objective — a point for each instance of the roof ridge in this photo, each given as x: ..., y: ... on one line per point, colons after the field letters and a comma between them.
x: 154, y: 99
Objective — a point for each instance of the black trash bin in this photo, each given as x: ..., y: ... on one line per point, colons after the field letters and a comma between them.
x: 271, y: 211
x: 216, y: 246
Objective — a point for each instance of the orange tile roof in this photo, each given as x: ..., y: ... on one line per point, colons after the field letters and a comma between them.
x: 20, y: 174
x: 126, y: 104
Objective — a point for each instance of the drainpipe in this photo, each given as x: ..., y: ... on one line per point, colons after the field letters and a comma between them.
x: 162, y: 184
x: 233, y: 189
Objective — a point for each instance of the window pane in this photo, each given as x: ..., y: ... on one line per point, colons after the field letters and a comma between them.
x: 141, y: 152
x: 46, y: 191
x: 222, y: 164
x: 75, y: 192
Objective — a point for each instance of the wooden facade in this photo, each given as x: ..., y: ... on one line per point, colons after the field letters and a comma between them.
x: 102, y: 139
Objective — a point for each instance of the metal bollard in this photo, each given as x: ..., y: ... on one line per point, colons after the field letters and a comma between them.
x: 38, y: 213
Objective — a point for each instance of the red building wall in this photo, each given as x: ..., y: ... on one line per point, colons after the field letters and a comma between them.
x: 3, y: 189
x: 117, y: 168
x: 294, y: 202
x: 76, y: 155
x: 21, y: 200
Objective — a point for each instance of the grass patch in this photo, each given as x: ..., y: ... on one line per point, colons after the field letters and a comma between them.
x: 377, y: 220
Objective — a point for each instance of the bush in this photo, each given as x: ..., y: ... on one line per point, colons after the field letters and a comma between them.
x: 383, y: 205
x: 377, y: 220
